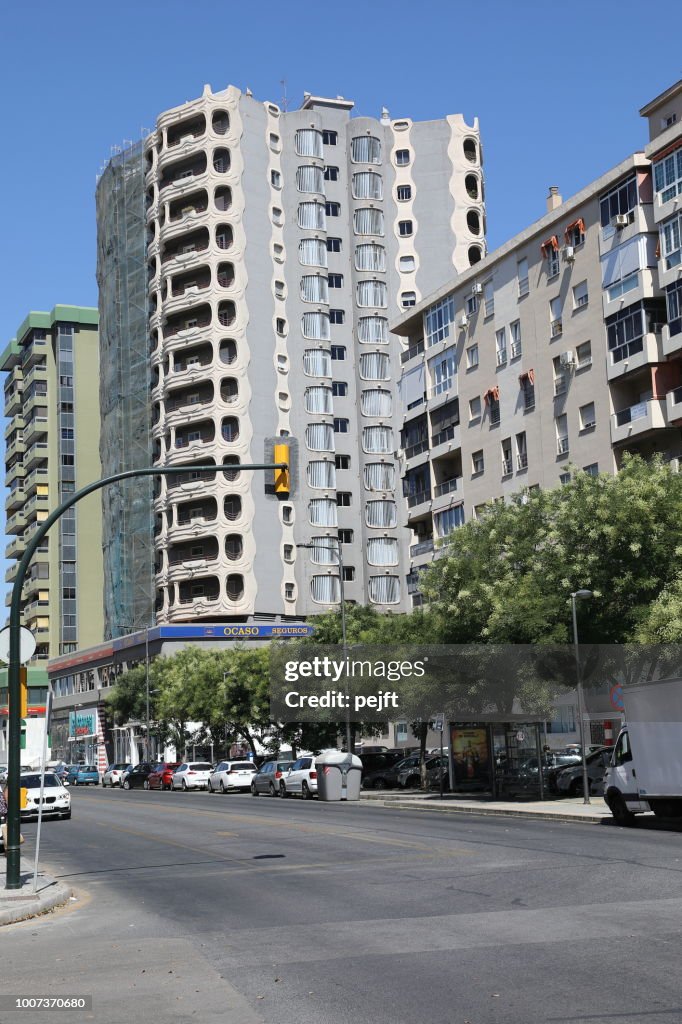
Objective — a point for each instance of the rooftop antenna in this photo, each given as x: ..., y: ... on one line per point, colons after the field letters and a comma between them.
x: 283, y: 83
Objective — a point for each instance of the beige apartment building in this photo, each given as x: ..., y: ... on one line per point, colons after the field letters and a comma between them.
x: 562, y: 349
x: 52, y: 436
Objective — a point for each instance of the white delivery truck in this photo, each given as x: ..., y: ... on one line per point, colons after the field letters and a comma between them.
x: 645, y: 772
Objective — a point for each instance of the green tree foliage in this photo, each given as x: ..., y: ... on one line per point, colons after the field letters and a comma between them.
x: 507, y: 578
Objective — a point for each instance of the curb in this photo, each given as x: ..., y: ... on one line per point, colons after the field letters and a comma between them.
x: 55, y: 895
x: 497, y: 812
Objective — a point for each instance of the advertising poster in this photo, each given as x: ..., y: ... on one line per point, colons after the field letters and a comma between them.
x: 470, y: 748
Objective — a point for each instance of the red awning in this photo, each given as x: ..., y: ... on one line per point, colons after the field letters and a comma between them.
x: 492, y: 394
x: 577, y: 225
x: 529, y: 376
x: 551, y: 243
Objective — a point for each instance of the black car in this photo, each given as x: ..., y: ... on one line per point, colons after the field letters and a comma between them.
x: 377, y: 761
x: 387, y: 777
x: 137, y: 776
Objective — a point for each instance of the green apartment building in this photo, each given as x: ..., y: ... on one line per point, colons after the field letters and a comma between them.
x: 52, y: 448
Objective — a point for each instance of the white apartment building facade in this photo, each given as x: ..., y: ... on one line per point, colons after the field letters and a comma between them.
x: 561, y: 349
x: 278, y: 246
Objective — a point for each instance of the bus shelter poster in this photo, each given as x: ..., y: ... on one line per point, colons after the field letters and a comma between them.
x: 470, y: 746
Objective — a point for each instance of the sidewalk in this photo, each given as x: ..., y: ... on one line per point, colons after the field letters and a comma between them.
x: 21, y: 904
x: 554, y: 810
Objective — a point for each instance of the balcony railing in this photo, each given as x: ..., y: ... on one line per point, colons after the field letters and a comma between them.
x: 561, y: 445
x: 556, y: 328
x: 501, y: 356
x: 516, y: 349
x: 418, y: 498
x: 635, y: 412
x: 560, y: 384
x: 522, y: 460
x: 446, y: 486
x: 507, y: 468
x: 413, y: 350
x: 423, y: 547
x: 441, y: 387
x: 417, y: 448
x: 446, y: 434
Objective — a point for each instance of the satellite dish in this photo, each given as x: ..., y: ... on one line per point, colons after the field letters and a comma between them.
x: 27, y: 644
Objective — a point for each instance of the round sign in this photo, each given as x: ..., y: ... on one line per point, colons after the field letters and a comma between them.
x: 27, y: 644
x: 520, y: 736
x: 616, y: 697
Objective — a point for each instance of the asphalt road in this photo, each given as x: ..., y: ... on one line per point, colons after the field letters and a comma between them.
x: 235, y: 910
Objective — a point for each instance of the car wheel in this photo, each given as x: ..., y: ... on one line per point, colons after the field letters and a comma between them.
x: 126, y: 784
x: 146, y: 783
x: 254, y: 791
x: 576, y: 788
x: 379, y: 784
x: 273, y: 789
x: 222, y: 787
x: 184, y: 786
x: 210, y: 788
x: 619, y: 810
x: 305, y: 792
x: 75, y: 782
x: 283, y: 791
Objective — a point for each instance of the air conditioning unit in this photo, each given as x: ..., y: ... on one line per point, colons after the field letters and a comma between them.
x: 567, y: 359
x: 568, y: 254
x: 463, y: 320
x: 477, y: 289
x: 621, y: 220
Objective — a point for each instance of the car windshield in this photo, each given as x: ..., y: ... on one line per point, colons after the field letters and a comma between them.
x: 118, y: 767
x: 200, y: 767
x: 241, y: 766
x: 33, y: 782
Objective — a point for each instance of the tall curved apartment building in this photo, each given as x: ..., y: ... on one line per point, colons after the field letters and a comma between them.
x: 278, y: 246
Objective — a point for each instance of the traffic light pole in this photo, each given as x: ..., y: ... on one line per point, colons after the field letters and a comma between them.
x: 12, y: 851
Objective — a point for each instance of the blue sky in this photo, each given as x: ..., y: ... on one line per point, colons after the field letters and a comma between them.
x: 557, y: 88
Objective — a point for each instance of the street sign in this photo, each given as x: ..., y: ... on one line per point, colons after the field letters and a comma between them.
x: 438, y: 723
x: 520, y: 736
x: 27, y: 644
x: 616, y: 697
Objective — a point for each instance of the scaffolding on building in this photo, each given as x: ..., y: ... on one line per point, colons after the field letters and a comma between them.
x: 125, y: 376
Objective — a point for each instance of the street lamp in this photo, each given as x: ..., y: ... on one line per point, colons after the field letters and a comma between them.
x: 580, y: 595
x: 335, y: 548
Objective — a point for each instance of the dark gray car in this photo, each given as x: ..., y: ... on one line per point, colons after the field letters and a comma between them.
x: 266, y: 779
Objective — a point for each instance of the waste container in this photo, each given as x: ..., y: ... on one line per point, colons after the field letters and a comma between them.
x: 338, y: 775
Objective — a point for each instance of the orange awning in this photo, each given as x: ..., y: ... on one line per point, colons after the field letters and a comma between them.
x: 577, y: 225
x: 551, y: 243
x: 492, y: 394
x: 529, y: 376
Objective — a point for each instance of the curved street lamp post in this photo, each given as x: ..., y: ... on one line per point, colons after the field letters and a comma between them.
x: 12, y: 851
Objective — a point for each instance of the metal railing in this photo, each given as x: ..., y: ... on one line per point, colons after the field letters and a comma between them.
x: 446, y: 486
x: 423, y: 547
x: 417, y: 448
x: 418, y: 498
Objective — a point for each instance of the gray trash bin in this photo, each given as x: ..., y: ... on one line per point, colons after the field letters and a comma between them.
x: 338, y: 775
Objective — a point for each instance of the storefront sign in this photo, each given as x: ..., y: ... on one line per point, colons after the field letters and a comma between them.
x: 82, y: 724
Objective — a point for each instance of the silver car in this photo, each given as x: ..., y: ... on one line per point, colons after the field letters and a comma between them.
x: 570, y: 780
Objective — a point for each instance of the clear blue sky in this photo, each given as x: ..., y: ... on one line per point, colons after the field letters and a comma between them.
x: 556, y: 86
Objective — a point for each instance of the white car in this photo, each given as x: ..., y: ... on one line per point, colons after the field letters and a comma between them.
x: 113, y: 775
x: 56, y: 797
x: 191, y: 775
x: 232, y: 775
x: 301, y: 779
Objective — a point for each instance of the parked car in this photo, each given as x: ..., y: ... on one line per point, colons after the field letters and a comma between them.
x: 301, y: 778
x: 266, y: 780
x: 56, y: 798
x: 136, y: 778
x: 112, y: 776
x: 83, y: 775
x: 570, y: 780
x: 162, y: 776
x: 376, y: 761
x: 62, y: 773
x: 409, y: 777
x: 387, y: 778
x: 191, y: 775
x: 232, y: 775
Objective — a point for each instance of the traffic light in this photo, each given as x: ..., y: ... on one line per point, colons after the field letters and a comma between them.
x: 23, y: 692
x: 282, y: 476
